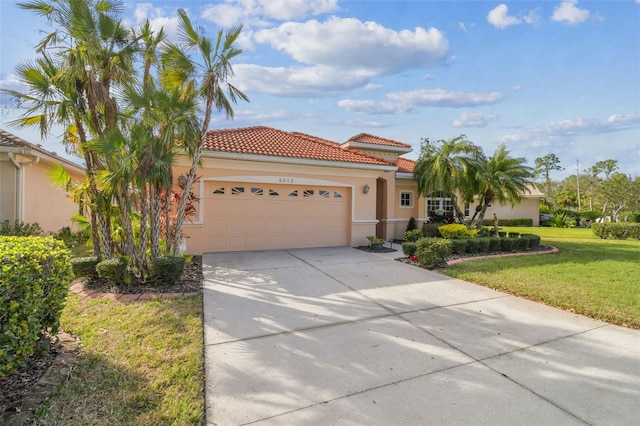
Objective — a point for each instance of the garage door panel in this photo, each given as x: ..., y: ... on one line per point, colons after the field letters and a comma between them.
x: 240, y: 216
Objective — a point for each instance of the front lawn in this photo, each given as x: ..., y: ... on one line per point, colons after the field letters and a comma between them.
x: 589, y: 276
x: 141, y: 363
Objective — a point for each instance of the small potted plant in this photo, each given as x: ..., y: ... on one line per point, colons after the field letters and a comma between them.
x: 375, y: 243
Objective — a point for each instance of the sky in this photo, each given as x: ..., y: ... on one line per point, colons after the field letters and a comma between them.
x: 543, y: 77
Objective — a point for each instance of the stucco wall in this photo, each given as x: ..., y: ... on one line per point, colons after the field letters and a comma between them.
x: 7, y: 189
x: 49, y: 206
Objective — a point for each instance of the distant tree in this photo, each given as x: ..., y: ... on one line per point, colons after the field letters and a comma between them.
x: 606, y: 167
x: 618, y: 192
x: 543, y: 166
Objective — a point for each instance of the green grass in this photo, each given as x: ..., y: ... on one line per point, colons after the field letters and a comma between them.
x: 141, y: 364
x: 589, y: 276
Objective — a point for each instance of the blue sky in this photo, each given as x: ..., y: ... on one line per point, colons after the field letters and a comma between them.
x: 542, y: 77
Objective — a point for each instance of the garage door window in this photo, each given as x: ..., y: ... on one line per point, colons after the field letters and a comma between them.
x: 273, y: 193
x: 257, y: 191
x: 219, y: 191
x: 308, y: 193
x: 337, y: 195
x: 293, y: 193
x: 237, y: 190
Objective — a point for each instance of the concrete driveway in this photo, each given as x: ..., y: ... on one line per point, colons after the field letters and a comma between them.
x: 341, y: 336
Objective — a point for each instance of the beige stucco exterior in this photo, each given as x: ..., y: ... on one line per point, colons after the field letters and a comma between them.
x: 26, y: 192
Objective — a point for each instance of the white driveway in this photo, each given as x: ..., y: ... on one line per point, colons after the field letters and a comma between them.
x: 339, y: 336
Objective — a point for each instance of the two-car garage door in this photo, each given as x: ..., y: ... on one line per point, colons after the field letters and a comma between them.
x: 258, y: 216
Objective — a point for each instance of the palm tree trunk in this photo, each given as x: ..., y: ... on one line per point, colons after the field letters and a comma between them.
x: 155, y: 221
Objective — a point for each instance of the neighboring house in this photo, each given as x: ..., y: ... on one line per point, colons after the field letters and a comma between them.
x: 26, y: 192
x: 261, y: 188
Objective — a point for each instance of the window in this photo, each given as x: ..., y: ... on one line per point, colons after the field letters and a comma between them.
x: 466, y: 210
x: 337, y: 195
x: 219, y: 191
x: 273, y: 193
x: 323, y: 193
x: 307, y: 193
x: 257, y: 191
x: 437, y: 203
x: 237, y: 190
x: 293, y: 193
x: 406, y: 199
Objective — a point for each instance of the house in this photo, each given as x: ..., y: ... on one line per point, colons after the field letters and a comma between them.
x: 26, y: 192
x: 262, y: 188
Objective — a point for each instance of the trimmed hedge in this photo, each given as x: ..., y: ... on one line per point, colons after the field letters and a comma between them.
x: 409, y: 248
x: 431, y: 230
x: 483, y: 244
x: 413, y: 235
x: 472, y: 246
x: 534, y: 240
x: 433, y: 252
x: 34, y: 280
x: 506, y: 244
x: 616, y: 231
x: 115, y: 270
x: 494, y: 244
x: 509, y: 222
x: 458, y: 246
x: 85, y: 267
x: 167, y: 269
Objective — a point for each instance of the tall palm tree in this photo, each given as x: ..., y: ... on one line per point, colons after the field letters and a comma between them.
x: 206, y: 79
x: 501, y: 178
x: 446, y: 169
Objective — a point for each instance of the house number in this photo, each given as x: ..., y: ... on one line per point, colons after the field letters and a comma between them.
x: 285, y: 180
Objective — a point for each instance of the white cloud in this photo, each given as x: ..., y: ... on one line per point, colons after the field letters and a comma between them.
x: 258, y: 12
x: 567, y: 11
x: 532, y: 18
x: 499, y: 18
x: 445, y: 98
x: 462, y: 26
x: 373, y: 107
x: 295, y: 81
x: 474, y: 119
x: 157, y: 18
x: 351, y: 44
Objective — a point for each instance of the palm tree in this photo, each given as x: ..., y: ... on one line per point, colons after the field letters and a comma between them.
x: 206, y: 80
x: 446, y: 169
x: 501, y: 178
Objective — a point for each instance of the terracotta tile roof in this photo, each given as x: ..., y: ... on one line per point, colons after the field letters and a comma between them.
x: 405, y: 165
x: 267, y: 141
x: 9, y: 140
x: 377, y: 140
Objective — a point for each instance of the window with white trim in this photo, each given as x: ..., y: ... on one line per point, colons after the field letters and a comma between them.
x: 439, y: 203
x: 406, y: 199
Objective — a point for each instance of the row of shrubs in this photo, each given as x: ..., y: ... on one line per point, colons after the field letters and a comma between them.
x: 34, y: 280
x: 23, y: 229
x: 164, y: 270
x: 616, y: 231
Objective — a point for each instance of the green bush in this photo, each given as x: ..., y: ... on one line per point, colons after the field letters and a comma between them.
x: 431, y: 230
x: 509, y: 222
x: 616, y: 231
x: 456, y: 230
x: 21, y: 229
x: 85, y: 267
x: 115, y: 270
x: 34, y: 280
x: 413, y: 236
x: 486, y: 231
x: 502, y: 234
x: 459, y: 246
x: 433, y: 252
x: 412, y: 224
x: 472, y: 245
x: 409, y: 248
x: 514, y: 235
x: 167, y: 269
x: 506, y: 244
x: 494, y: 244
x: 522, y: 243
x: 483, y: 244
x: 534, y: 240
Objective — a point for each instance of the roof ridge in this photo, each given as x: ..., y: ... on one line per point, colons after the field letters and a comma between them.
x: 369, y: 135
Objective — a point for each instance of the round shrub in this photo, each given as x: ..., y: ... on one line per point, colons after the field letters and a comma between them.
x: 483, y: 245
x: 85, y: 267
x: 506, y: 244
x: 534, y: 240
x: 409, y: 248
x: 167, y: 269
x: 523, y: 243
x: 472, y: 246
x: 456, y: 230
x: 433, y: 252
x: 494, y: 244
x: 431, y: 230
x: 115, y: 270
x: 459, y: 246
x: 413, y: 236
